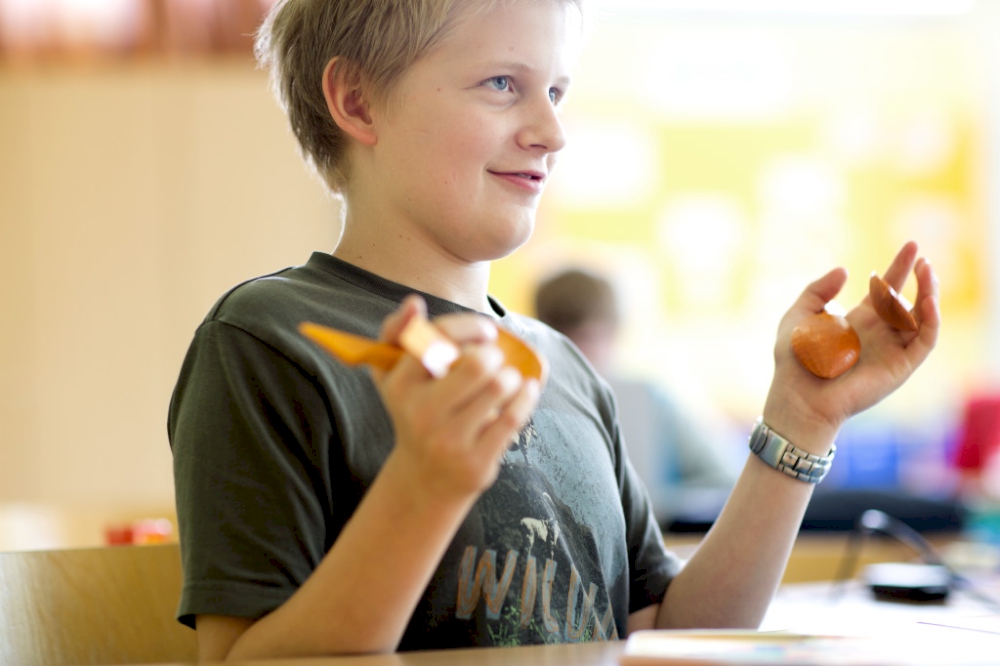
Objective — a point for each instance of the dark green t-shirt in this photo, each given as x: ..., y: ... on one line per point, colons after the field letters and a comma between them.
x: 275, y: 442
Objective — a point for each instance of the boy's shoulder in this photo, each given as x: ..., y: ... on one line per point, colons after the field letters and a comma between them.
x: 319, y: 290
x: 547, y: 339
x: 566, y: 363
x: 259, y: 299
x: 249, y: 293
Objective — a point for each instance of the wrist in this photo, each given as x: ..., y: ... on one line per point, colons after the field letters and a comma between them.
x: 424, y: 490
x: 810, y: 432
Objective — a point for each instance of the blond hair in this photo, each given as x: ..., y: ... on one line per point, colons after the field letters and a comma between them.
x: 376, y: 39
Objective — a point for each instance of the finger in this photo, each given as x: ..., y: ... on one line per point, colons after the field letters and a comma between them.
x: 901, y: 266
x: 927, y: 312
x: 403, y: 381
x: 487, y: 404
x: 926, y: 285
x: 822, y: 291
x: 497, y: 437
x: 471, y: 374
x: 412, y: 306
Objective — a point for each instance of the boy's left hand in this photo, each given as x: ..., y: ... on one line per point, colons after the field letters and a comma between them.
x: 888, y: 356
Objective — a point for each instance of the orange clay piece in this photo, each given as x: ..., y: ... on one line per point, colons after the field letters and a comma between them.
x: 422, y: 340
x: 826, y: 345
x: 890, y: 306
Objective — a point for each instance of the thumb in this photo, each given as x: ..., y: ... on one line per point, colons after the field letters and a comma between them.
x: 393, y: 325
x: 822, y: 291
x: 412, y: 306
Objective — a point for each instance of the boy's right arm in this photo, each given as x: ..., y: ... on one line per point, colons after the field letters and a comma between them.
x: 450, y: 436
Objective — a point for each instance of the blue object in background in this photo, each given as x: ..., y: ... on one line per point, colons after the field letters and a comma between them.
x: 902, y: 470
x: 868, y: 456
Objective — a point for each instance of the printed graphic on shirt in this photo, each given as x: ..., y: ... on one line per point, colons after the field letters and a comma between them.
x: 538, y: 574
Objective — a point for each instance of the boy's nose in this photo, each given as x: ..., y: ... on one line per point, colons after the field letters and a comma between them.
x: 543, y: 130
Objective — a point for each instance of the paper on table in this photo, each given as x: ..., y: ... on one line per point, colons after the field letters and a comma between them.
x: 746, y: 648
x: 986, y: 623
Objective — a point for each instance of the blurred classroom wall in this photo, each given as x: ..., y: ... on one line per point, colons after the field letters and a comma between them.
x: 132, y: 197
x: 720, y: 163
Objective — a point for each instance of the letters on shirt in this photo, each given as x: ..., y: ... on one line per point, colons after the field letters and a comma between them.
x: 480, y: 581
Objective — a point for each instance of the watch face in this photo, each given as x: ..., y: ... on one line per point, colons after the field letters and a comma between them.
x: 758, y: 438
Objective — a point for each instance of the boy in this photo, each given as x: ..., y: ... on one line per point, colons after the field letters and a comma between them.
x: 326, y: 509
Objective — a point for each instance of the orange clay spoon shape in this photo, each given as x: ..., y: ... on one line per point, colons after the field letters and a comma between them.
x: 425, y: 342
x: 891, y: 306
x: 826, y: 345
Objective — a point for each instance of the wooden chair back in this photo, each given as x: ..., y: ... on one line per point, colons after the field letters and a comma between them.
x: 112, y: 605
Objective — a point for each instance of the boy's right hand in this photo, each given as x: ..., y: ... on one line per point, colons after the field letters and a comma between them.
x: 452, y: 432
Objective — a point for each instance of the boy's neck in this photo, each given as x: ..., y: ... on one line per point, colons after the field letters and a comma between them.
x: 403, y: 259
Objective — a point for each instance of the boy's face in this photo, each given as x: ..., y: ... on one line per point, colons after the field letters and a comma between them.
x: 471, y: 132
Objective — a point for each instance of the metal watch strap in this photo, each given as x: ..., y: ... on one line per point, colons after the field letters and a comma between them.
x: 783, y: 456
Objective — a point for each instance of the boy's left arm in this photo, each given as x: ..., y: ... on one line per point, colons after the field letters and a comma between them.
x: 730, y: 580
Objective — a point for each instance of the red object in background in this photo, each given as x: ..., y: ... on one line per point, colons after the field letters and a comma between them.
x: 139, y: 532
x: 979, y: 438
x: 118, y: 535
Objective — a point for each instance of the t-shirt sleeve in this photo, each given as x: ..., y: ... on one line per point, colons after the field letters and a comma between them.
x: 651, y: 565
x: 245, y: 428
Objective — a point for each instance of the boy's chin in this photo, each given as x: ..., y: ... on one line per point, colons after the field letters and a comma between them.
x: 494, y: 237
x: 494, y: 253
x: 507, y: 245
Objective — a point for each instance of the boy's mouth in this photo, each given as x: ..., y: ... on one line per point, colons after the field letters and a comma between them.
x: 535, y: 176
x: 531, y: 182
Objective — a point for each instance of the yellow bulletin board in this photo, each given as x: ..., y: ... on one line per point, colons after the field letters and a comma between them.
x: 716, y: 166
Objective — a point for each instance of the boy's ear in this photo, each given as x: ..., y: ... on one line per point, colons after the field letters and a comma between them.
x: 346, y: 101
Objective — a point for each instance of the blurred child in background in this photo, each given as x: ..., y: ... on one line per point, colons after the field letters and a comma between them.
x: 687, y: 464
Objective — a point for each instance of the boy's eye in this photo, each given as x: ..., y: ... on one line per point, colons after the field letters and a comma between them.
x: 553, y: 95
x: 501, y: 83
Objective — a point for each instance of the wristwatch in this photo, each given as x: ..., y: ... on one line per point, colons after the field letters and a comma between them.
x: 783, y: 456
